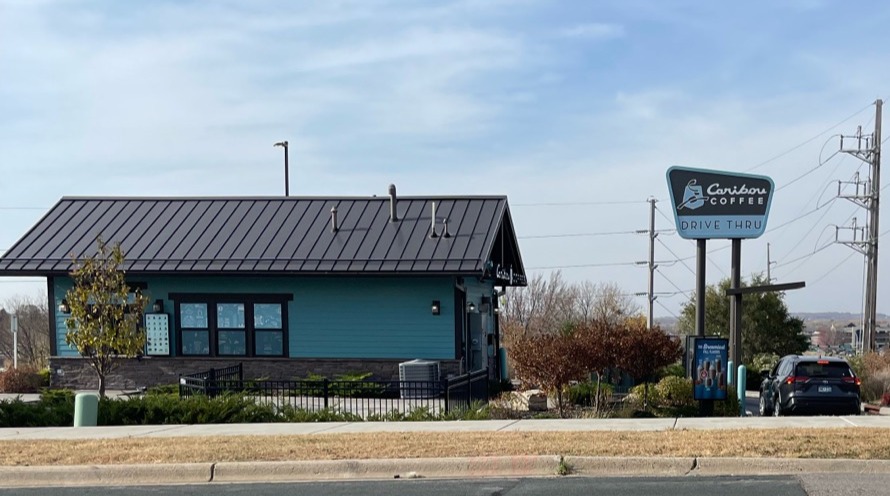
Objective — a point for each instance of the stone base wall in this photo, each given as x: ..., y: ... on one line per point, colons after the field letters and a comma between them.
x: 76, y: 373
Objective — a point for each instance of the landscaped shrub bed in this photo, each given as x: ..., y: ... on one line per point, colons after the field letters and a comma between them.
x: 56, y: 409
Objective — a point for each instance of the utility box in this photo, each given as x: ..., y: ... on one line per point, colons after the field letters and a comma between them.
x: 86, y: 409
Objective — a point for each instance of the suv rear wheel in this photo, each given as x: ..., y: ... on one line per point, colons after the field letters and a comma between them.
x: 764, y: 410
x: 777, y: 406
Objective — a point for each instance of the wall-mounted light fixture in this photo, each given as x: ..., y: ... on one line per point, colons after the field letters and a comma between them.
x: 471, y: 307
x: 436, y: 307
x: 158, y: 306
x: 63, y: 307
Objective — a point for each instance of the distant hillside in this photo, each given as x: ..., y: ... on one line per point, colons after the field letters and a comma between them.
x: 836, y: 316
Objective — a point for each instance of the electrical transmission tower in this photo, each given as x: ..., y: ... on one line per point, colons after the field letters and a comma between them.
x: 865, y: 239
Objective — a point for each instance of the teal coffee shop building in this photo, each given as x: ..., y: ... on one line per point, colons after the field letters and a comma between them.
x: 287, y: 286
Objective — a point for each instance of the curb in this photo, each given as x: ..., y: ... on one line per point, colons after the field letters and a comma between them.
x: 105, y: 475
x: 417, y: 468
x: 396, y: 468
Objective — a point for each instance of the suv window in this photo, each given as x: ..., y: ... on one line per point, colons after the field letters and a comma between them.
x: 830, y: 369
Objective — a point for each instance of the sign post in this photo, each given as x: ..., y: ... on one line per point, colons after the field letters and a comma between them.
x: 711, y: 204
x: 14, y: 325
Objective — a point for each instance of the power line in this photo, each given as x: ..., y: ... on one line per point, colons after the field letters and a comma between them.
x: 572, y: 204
x: 579, y: 266
x: 809, y: 140
x: 823, y: 276
x: 576, y: 235
x: 668, y: 310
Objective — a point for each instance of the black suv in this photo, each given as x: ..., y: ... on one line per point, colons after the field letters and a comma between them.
x: 810, y: 384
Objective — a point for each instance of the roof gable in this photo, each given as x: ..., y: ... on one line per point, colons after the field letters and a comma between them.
x: 272, y: 235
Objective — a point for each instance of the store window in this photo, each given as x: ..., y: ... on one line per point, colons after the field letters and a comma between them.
x: 231, y: 325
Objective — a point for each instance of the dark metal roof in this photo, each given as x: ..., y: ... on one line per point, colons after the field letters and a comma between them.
x: 277, y: 235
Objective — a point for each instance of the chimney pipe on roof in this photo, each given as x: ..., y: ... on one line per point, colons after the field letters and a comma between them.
x: 433, y: 223
x: 445, y: 233
x: 393, y: 210
x: 334, y: 226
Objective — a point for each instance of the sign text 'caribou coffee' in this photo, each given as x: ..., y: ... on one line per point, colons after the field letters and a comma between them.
x: 713, y: 204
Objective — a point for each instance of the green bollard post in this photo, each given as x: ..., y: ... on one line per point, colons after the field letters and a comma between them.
x: 86, y: 409
x: 742, y: 379
x: 502, y: 358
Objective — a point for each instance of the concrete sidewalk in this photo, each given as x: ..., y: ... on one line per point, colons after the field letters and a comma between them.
x: 530, y: 425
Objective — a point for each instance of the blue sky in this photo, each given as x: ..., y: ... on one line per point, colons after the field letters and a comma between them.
x: 580, y: 104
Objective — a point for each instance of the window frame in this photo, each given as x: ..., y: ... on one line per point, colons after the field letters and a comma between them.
x: 248, y: 300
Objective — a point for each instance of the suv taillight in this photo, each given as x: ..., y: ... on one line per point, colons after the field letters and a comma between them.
x: 853, y: 380
x: 796, y: 378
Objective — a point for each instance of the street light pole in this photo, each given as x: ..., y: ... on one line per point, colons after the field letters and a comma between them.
x: 286, y: 179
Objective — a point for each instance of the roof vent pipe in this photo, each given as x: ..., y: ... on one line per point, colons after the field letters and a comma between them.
x: 393, y: 211
x: 445, y: 233
x: 334, y: 226
x: 433, y: 223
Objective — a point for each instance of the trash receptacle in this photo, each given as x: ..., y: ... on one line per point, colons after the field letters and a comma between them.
x: 86, y: 409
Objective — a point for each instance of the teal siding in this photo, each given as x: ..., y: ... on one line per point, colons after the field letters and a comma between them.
x: 336, y: 317
x: 61, y: 285
x: 373, y: 318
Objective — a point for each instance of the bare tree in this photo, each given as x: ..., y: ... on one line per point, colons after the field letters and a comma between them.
x: 603, y: 302
x: 543, y: 307
x: 33, y: 330
x: 552, y: 304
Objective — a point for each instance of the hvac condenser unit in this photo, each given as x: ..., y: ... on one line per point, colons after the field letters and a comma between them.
x: 419, y: 379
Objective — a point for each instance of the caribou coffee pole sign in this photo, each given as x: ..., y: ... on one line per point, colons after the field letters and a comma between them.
x: 713, y: 204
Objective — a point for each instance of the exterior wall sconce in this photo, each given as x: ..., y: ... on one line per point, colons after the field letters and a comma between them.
x: 158, y: 306
x: 63, y: 307
x: 471, y: 307
x: 437, y: 307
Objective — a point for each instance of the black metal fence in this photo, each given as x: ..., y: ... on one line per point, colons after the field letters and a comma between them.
x: 369, y: 400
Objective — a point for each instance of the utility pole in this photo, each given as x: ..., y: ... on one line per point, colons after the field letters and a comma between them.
x: 650, y: 293
x: 868, y: 149
x: 769, y: 264
x: 652, y: 266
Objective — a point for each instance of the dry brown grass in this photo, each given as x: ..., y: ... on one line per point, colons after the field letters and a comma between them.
x: 857, y: 443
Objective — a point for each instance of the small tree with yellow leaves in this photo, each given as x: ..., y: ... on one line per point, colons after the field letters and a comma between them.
x: 104, y: 325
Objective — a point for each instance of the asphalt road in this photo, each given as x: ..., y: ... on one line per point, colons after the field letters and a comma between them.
x: 804, y: 485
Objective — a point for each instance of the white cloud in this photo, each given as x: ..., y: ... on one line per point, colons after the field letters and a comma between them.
x: 594, y: 31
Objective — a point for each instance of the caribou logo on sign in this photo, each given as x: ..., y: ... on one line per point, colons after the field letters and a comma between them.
x: 714, y: 204
x: 692, y: 197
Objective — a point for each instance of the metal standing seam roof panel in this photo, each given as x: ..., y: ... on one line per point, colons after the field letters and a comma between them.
x: 236, y: 220
x: 207, y: 245
x: 205, y: 212
x: 285, y: 233
x: 371, y: 218
x: 445, y: 245
x: 36, y: 239
x: 178, y: 211
x: 466, y: 232
x: 484, y: 232
x: 428, y: 248
x: 327, y: 238
x: 148, y: 229
x: 313, y: 226
x: 84, y: 235
x: 265, y: 234
x: 401, y: 257
x: 348, y: 213
x: 407, y: 236
x: 179, y: 228
x: 241, y: 235
x: 261, y: 234
x: 356, y: 234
